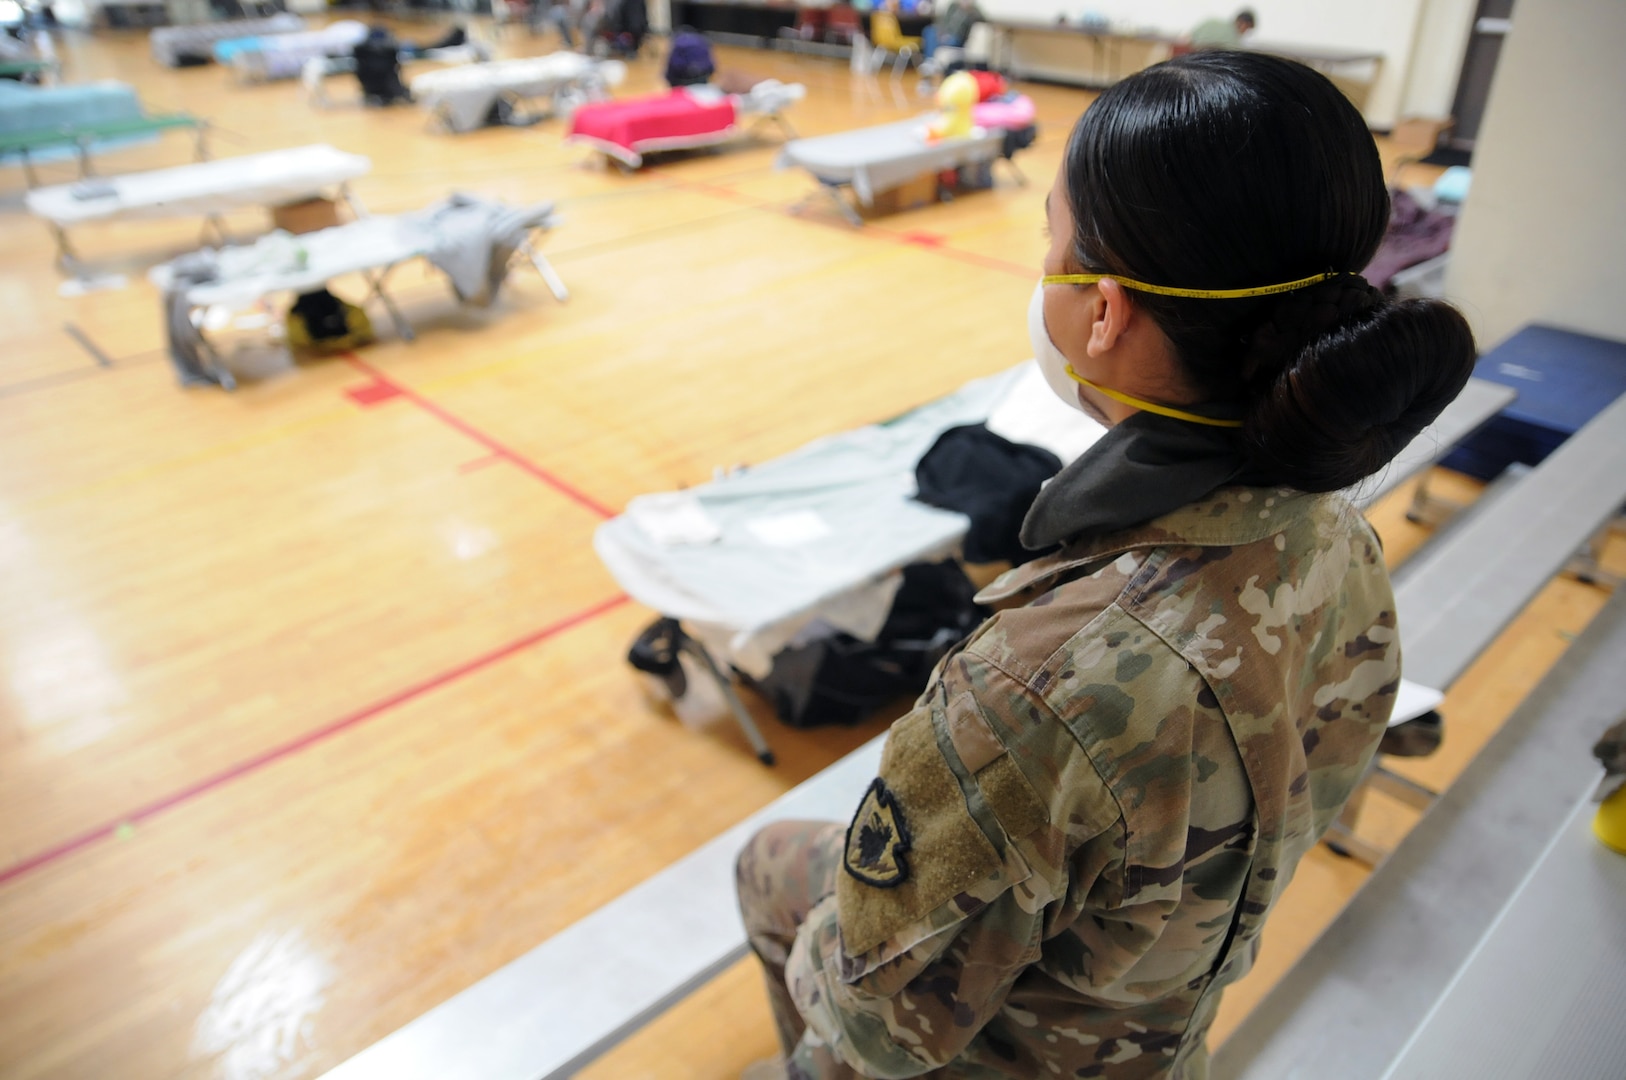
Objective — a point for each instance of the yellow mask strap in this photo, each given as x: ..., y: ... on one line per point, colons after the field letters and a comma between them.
x: 1193, y: 294
x: 1147, y: 406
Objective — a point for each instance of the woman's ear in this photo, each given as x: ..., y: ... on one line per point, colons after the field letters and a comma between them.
x: 1111, y: 318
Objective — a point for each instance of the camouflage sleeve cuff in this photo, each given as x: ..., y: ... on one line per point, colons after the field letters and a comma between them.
x: 837, y: 1024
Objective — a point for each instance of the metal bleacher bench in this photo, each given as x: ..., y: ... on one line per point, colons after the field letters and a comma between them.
x: 570, y: 999
x: 1479, y: 401
x: 587, y: 988
x: 1359, y: 1004
x: 1458, y: 594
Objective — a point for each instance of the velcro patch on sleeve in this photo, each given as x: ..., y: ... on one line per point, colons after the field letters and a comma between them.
x: 1007, y: 791
x: 947, y: 852
x: 973, y: 738
x: 1011, y: 798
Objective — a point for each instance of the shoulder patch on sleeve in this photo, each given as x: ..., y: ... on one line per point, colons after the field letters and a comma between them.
x: 947, y: 853
x: 878, y: 840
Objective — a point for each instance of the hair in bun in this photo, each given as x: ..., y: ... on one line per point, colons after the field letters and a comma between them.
x: 1224, y: 170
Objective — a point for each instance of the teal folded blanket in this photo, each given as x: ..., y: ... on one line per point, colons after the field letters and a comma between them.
x: 45, y: 108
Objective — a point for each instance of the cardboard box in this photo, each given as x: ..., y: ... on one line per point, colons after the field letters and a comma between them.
x: 305, y: 217
x: 1420, y: 134
x: 921, y: 191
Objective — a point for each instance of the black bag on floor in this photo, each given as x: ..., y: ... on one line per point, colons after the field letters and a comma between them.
x: 842, y: 680
x: 378, y: 69
x: 321, y: 320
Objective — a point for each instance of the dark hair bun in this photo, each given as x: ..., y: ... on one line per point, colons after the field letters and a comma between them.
x: 1225, y: 170
x: 1340, y: 379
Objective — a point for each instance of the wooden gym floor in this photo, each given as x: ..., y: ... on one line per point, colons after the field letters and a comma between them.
x: 312, y: 701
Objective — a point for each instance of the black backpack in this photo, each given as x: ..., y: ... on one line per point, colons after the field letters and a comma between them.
x: 378, y: 70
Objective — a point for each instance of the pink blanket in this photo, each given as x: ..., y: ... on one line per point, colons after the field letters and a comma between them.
x: 1009, y: 115
x: 635, y: 126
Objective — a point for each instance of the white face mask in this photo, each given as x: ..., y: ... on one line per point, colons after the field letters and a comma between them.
x: 1053, y: 362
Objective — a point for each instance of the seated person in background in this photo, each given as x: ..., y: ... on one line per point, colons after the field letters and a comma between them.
x: 952, y: 25
x: 378, y: 68
x: 565, y: 16
x: 1077, y: 833
x: 1222, y: 33
x: 620, y: 25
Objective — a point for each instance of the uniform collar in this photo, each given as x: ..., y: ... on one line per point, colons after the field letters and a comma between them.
x: 1143, y: 468
x: 1228, y: 517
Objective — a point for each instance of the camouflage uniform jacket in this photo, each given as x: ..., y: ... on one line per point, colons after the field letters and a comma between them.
x: 1079, y: 829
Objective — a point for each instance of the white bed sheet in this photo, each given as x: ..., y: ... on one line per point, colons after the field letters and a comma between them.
x: 170, y: 43
x: 879, y: 158
x: 820, y: 533
x: 206, y: 187
x: 251, y: 273
x: 281, y: 56
x: 464, y: 96
x: 369, y: 244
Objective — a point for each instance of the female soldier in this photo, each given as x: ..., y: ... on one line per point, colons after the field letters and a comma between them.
x: 1079, y: 830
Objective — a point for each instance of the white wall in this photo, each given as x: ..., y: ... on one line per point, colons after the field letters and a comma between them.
x: 1543, y: 234
x: 1442, y: 41
x: 1385, y: 26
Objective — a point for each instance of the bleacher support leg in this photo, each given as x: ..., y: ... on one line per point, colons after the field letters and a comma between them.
x: 1587, y: 566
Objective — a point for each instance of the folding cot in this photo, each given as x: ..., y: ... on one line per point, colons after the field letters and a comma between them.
x: 38, y: 68
x: 281, y: 56
x: 41, y: 123
x: 686, y: 118
x: 316, y: 70
x: 875, y: 159
x: 473, y: 240
x: 461, y: 99
x: 817, y: 539
x: 173, y: 46
x: 206, y: 189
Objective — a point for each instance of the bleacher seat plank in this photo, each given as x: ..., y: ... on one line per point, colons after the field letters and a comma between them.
x: 1458, y: 595
x: 1347, y: 1008
x: 1480, y: 400
x: 582, y: 991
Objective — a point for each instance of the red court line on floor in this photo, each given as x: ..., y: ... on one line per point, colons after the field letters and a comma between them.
x: 480, y: 463
x: 374, y: 393
x: 918, y: 239
x: 914, y: 238
x: 941, y: 247
x: 458, y: 424
x: 309, y: 739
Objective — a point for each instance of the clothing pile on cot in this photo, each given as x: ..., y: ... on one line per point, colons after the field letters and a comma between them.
x: 190, y: 46
x: 281, y: 56
x: 471, y: 240
x: 827, y: 576
x: 464, y: 99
